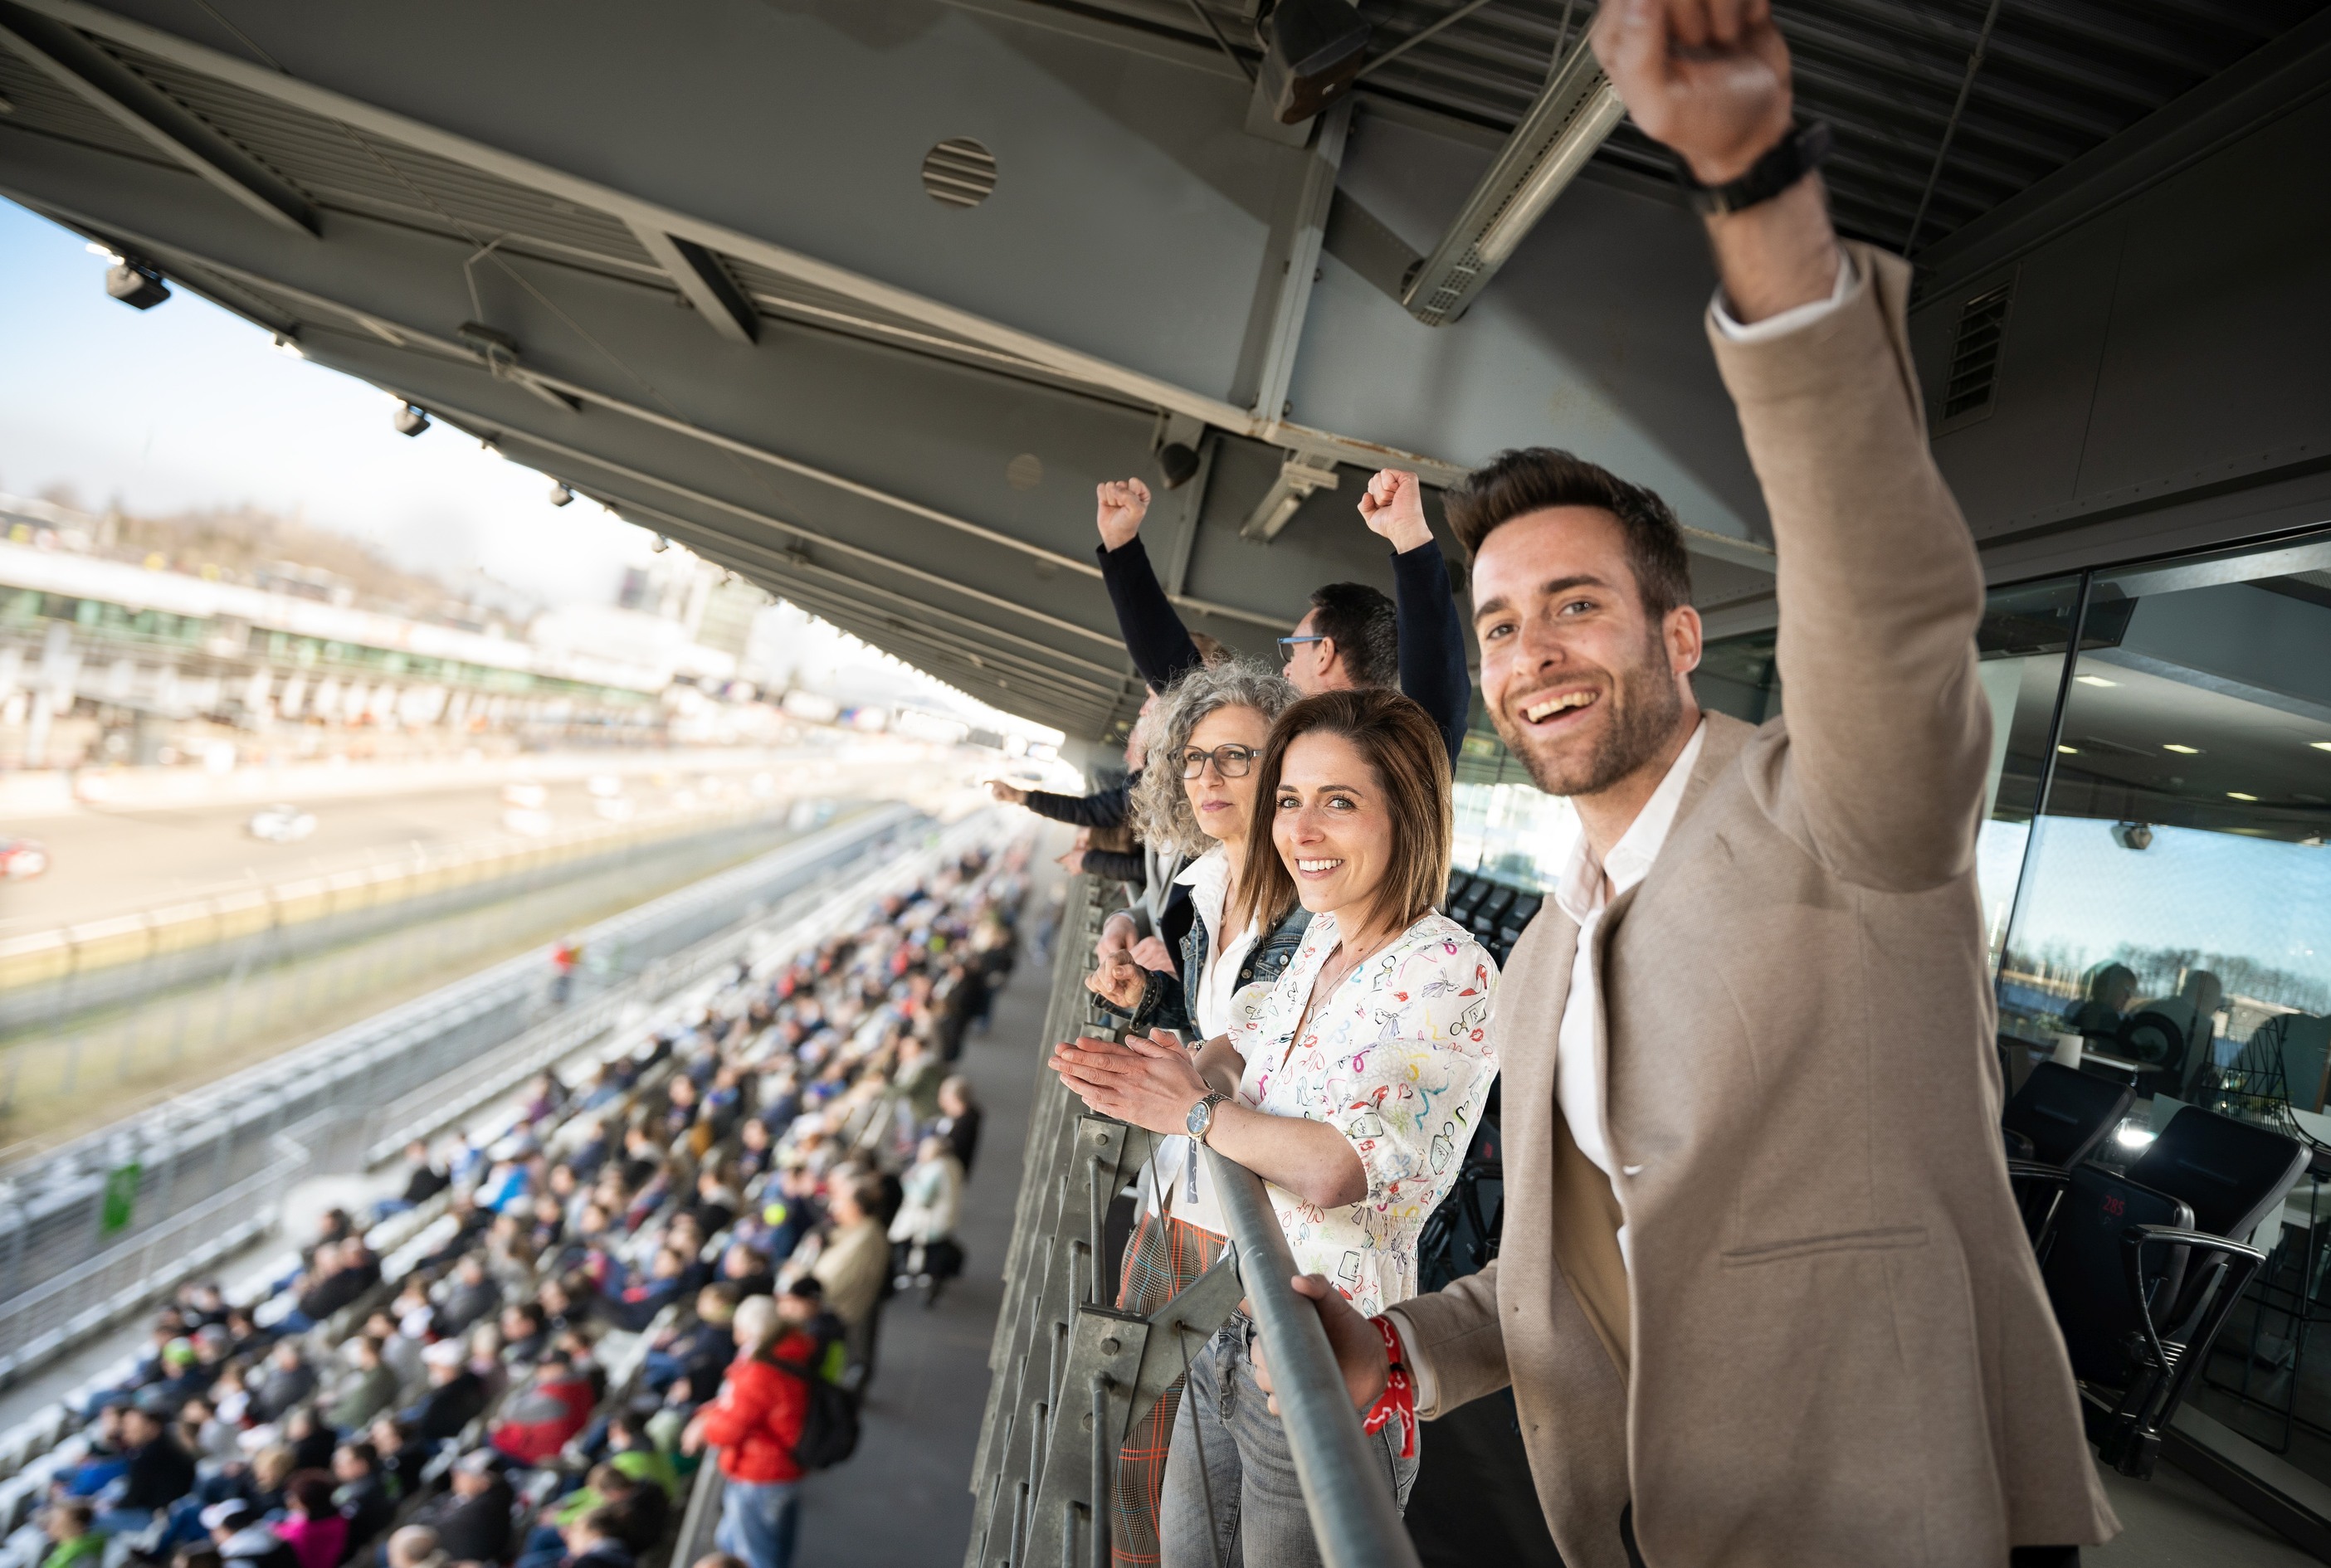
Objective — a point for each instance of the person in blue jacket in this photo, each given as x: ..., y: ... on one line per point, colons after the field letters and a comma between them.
x: 1351, y: 637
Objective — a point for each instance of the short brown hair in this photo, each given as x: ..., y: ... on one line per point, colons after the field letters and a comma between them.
x: 1410, y: 761
x: 1531, y: 478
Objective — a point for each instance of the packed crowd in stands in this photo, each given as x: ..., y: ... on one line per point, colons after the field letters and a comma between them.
x: 687, y: 1256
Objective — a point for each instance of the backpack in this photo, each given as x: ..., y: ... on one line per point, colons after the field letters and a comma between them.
x: 829, y: 1433
x: 1460, y: 1237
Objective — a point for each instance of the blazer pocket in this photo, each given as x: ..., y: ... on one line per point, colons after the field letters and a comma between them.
x: 1884, y: 1238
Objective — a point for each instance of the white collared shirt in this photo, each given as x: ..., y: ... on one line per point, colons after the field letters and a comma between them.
x: 1172, y: 1170
x: 1584, y: 893
x: 1208, y: 878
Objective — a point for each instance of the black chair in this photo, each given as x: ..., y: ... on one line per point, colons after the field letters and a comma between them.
x: 1466, y: 892
x: 2065, y: 1114
x: 1515, y: 919
x: 2233, y: 1172
x: 2143, y: 1273
x: 2039, y: 1196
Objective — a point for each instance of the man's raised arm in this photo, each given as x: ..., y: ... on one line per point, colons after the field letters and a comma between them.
x: 1154, y: 634
x: 1878, y: 587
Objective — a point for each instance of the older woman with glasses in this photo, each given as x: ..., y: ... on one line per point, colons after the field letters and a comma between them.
x: 1352, y: 1089
x: 1194, y: 800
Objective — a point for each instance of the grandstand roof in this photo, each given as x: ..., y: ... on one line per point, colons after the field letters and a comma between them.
x: 736, y: 270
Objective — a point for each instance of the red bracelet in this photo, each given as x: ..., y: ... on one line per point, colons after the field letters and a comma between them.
x: 1398, y: 1400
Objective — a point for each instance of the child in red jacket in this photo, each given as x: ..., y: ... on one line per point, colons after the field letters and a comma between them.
x: 754, y: 1425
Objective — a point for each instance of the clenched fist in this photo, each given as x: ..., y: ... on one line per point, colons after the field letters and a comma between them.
x: 1708, y: 78
x: 1393, y: 509
x: 1123, y: 503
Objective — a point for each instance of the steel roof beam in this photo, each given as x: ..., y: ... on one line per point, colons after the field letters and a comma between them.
x: 121, y: 95
x: 703, y: 282
x: 1091, y: 369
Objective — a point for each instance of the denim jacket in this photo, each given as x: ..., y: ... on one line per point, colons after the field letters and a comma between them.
x: 1167, y: 1003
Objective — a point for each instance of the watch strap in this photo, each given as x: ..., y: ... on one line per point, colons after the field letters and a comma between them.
x: 1796, y: 155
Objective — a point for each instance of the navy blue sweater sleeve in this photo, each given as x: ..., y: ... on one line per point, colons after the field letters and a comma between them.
x: 1104, y: 810
x: 1432, y: 642
x: 1117, y: 865
x: 1160, y: 645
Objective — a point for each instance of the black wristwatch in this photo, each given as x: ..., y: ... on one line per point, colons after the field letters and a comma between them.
x: 1796, y: 155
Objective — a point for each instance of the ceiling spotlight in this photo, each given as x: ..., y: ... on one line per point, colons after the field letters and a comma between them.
x: 2239, y: 796
x: 2181, y: 750
x: 410, y: 420
x: 2321, y: 744
x: 660, y: 545
x: 2133, y: 836
x: 1176, y: 463
x: 1313, y: 48
x: 290, y: 345
x: 140, y: 288
x: 560, y: 494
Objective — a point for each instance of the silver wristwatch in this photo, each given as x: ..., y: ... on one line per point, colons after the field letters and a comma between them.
x: 1201, y: 1119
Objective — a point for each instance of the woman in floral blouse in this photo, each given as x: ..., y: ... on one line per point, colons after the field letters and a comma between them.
x: 1353, y: 1089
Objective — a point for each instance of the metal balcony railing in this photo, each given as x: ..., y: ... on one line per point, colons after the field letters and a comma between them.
x: 1071, y: 1373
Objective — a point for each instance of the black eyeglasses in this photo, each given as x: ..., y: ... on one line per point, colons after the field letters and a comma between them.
x: 1229, y: 761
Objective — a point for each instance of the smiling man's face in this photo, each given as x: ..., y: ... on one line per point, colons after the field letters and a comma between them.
x: 1582, y: 684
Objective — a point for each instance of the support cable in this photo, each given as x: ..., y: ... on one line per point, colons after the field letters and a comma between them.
x: 1951, y: 125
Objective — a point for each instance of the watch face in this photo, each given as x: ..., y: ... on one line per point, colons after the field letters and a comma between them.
x: 1200, y: 1115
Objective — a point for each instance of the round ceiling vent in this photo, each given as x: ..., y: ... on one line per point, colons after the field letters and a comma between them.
x: 1024, y: 472
x: 960, y: 173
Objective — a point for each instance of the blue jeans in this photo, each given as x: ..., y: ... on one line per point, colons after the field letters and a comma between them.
x: 758, y: 1522
x: 1257, y: 1514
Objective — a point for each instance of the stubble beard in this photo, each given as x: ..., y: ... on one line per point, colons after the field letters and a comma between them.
x: 1645, y: 708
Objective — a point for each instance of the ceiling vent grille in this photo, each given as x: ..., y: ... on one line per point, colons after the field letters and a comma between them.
x: 960, y: 173
x: 1974, y: 354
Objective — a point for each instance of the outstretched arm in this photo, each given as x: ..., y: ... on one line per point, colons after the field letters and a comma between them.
x: 1878, y: 585
x: 1154, y: 634
x: 1431, y: 632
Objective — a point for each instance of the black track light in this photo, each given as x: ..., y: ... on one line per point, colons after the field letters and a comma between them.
x: 410, y: 421
x: 660, y: 545
x: 1313, y: 51
x: 140, y: 288
x: 560, y: 494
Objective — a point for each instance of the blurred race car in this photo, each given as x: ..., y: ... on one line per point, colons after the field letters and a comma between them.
x: 280, y: 824
x: 21, y: 859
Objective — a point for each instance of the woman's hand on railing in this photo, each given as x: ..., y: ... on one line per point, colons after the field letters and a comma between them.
x: 1141, y: 1081
x: 1360, y: 1348
x: 1120, y: 982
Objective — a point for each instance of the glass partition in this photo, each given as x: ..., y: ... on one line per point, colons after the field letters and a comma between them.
x: 2022, y: 639
x: 2175, y: 903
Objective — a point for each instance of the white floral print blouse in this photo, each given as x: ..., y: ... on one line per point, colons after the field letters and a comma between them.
x: 1398, y: 1059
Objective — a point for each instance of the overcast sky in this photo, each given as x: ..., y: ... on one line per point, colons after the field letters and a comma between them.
x: 187, y: 406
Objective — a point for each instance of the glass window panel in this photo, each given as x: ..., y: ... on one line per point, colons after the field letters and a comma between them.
x: 2021, y: 642
x: 2179, y: 869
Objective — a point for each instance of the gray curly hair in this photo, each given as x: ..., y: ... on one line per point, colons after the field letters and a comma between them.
x: 1160, y: 810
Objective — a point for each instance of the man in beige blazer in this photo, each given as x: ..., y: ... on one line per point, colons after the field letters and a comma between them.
x: 1764, y: 1300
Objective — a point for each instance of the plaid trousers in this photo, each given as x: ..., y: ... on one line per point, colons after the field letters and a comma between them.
x: 1160, y: 1262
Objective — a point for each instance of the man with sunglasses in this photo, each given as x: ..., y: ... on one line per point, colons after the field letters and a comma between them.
x: 1352, y: 637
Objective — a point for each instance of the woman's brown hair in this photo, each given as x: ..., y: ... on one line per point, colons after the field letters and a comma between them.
x: 1410, y: 759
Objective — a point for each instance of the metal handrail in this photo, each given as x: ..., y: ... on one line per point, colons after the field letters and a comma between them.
x: 1353, y: 1517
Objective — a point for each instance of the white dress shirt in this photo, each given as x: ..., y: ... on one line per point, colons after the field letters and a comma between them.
x: 1584, y: 892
